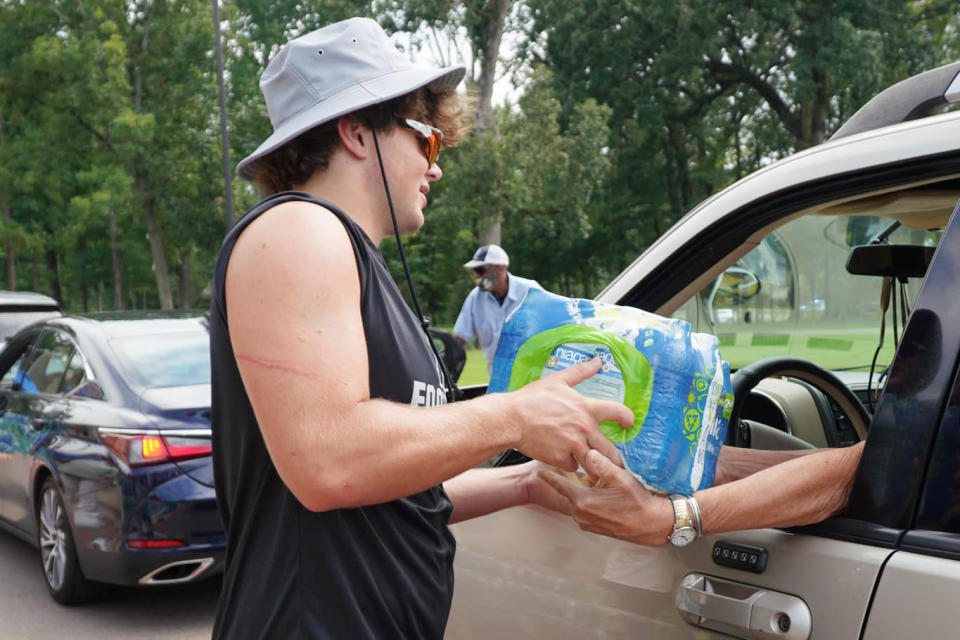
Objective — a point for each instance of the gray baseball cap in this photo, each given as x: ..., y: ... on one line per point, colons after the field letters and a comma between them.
x: 333, y: 71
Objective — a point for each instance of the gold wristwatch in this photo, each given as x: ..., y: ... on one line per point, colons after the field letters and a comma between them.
x: 686, y: 521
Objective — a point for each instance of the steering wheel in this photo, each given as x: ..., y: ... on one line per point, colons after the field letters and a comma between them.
x: 745, y: 379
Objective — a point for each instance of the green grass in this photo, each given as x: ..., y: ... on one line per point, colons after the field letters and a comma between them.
x: 475, y: 371
x: 832, y: 349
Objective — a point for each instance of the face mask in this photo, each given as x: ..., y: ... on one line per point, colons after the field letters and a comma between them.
x: 487, y: 282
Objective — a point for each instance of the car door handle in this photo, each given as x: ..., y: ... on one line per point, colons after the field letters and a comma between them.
x: 742, y: 610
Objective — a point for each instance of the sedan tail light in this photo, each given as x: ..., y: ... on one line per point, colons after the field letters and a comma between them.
x: 155, y: 544
x: 141, y: 448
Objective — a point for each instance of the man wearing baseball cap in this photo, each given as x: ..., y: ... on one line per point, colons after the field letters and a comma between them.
x: 337, y: 460
x: 487, y: 306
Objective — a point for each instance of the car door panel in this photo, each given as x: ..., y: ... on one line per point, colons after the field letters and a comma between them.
x: 33, y: 415
x: 6, y: 453
x: 24, y: 420
x: 12, y: 358
x: 554, y: 580
x: 930, y: 585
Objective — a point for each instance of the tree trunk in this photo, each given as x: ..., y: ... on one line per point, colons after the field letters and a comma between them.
x: 160, y: 269
x: 674, y: 187
x: 488, y: 64
x: 84, y: 296
x: 115, y: 259
x: 7, y: 224
x: 490, y: 234
x: 36, y: 271
x: 186, y: 294
x: 814, y: 113
x: 53, y: 266
x: 11, y: 258
x: 489, y: 56
x: 224, y: 136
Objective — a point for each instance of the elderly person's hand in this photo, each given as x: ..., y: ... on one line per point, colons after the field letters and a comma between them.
x: 617, y: 505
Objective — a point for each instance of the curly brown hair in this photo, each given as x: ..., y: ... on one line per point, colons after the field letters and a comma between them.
x: 293, y: 163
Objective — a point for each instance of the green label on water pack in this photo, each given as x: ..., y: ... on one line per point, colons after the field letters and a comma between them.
x: 625, y: 374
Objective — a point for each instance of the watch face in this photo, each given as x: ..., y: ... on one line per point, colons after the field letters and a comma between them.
x: 683, y: 537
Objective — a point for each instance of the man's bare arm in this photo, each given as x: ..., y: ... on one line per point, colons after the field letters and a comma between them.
x: 293, y: 302
x: 477, y: 492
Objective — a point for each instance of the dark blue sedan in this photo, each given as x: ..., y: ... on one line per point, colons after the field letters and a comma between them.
x: 105, y: 451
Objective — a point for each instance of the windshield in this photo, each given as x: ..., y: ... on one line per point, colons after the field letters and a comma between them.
x: 792, y: 296
x: 167, y: 360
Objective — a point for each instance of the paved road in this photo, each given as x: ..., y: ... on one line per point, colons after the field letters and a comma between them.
x: 28, y: 613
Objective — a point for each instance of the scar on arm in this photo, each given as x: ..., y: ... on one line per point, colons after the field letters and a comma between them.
x: 276, y: 366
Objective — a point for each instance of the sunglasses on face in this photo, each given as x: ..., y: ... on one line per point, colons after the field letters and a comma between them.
x: 429, y: 137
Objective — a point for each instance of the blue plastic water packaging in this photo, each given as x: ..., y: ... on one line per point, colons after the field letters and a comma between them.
x: 672, y: 379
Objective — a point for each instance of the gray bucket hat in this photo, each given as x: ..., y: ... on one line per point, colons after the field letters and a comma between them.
x: 333, y: 71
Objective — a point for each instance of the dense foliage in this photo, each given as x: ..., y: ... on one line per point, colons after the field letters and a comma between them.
x: 625, y: 114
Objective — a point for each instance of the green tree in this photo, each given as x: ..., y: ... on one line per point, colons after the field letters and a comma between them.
x: 702, y: 92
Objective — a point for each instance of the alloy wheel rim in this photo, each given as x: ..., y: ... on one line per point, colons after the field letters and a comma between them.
x: 53, y: 539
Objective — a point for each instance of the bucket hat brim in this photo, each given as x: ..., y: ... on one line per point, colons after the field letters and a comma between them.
x: 353, y: 98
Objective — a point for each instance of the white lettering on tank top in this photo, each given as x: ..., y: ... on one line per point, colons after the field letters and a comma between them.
x: 427, y: 395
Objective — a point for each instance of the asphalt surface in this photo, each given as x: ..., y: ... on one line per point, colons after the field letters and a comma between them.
x: 28, y: 613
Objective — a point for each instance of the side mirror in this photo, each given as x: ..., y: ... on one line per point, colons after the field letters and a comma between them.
x: 738, y: 284
x: 732, y: 287
x: 454, y: 356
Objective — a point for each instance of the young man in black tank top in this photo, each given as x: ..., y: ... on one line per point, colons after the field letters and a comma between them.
x: 338, y: 462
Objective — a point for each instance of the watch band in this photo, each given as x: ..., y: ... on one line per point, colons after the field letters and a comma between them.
x: 695, y: 515
x: 686, y: 521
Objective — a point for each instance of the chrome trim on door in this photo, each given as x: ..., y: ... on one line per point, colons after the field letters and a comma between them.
x: 742, y: 610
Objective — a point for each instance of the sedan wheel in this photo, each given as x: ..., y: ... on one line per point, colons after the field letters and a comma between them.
x: 58, y: 556
x: 52, y: 538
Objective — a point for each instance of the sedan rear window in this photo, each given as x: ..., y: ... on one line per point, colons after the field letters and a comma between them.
x: 167, y: 360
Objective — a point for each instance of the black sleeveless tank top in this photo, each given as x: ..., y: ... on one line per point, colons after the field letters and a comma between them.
x: 382, y: 571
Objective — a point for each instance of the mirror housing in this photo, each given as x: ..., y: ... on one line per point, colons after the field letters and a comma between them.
x: 899, y: 261
x: 454, y: 356
x: 739, y: 284
x: 734, y: 286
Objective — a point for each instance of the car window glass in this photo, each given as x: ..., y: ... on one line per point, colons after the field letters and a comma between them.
x: 792, y: 296
x: 11, y: 373
x: 47, y: 364
x: 21, y: 379
x: 169, y: 360
x: 74, y: 376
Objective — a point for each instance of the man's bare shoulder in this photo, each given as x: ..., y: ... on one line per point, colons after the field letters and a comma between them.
x: 297, y: 233
x: 295, y: 220
x: 288, y: 251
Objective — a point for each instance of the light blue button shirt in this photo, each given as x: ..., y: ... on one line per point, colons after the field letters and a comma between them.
x: 483, y: 317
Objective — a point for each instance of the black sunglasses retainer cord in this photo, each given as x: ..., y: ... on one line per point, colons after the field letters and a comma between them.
x: 453, y: 391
